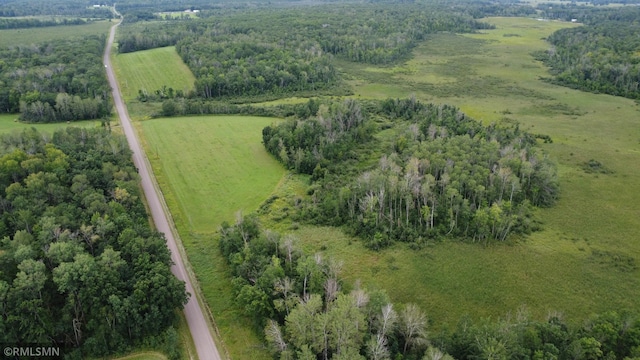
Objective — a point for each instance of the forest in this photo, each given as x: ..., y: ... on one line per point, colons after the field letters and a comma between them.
x: 307, y: 312
x: 80, y: 266
x: 601, y: 56
x: 430, y: 171
x: 61, y: 80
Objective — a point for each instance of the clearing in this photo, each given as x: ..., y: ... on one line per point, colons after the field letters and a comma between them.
x: 150, y: 70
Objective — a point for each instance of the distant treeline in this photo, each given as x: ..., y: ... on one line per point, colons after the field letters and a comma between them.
x: 601, y: 56
x: 76, y: 8
x: 439, y: 173
x: 61, y: 80
x: 32, y: 22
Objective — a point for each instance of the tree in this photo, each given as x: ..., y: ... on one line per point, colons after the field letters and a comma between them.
x: 347, y: 325
x: 434, y: 353
x: 300, y: 324
x: 412, y: 327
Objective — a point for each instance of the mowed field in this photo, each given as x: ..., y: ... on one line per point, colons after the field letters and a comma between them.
x: 209, y: 168
x: 150, y: 70
x: 13, y: 37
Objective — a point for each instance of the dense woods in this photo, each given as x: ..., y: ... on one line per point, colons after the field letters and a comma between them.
x: 601, y: 56
x: 55, y: 81
x: 307, y: 312
x: 433, y: 172
x: 80, y: 266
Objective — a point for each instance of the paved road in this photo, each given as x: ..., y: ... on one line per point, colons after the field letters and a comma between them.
x: 200, y: 332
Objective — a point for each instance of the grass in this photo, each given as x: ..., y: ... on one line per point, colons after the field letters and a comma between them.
x: 14, y: 37
x: 9, y: 124
x: 208, y: 168
x: 150, y: 70
x: 146, y: 355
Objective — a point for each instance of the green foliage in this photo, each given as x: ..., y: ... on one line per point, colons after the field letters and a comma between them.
x: 447, y: 174
x: 59, y: 80
x: 520, y: 337
x: 34, y: 22
x: 80, y: 266
x: 600, y: 56
x: 298, y: 300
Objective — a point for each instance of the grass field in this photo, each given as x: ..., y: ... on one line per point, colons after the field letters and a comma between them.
x: 586, y: 260
x: 149, y: 70
x: 12, y: 37
x: 8, y: 124
x: 208, y: 168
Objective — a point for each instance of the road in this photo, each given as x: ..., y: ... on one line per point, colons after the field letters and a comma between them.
x: 196, y: 320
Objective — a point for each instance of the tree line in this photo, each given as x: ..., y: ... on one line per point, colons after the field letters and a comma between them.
x: 438, y: 173
x: 305, y: 311
x: 61, y: 80
x: 600, y: 56
x: 76, y: 8
x: 29, y: 23
x: 80, y: 266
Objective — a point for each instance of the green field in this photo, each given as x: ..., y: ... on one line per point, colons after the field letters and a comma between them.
x: 586, y: 260
x: 9, y: 124
x: 208, y: 168
x: 14, y: 37
x: 149, y: 70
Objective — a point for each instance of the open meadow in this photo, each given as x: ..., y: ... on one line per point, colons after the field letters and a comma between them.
x: 14, y: 37
x: 584, y: 261
x: 150, y: 70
